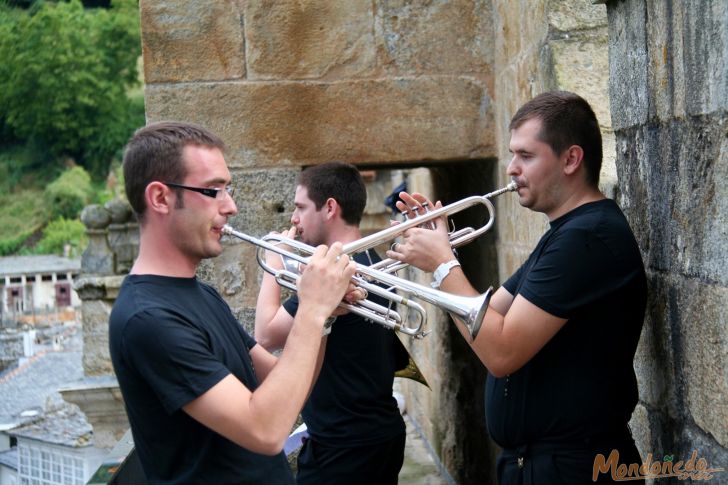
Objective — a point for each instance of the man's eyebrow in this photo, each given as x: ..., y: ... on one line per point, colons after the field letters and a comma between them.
x: 217, y: 180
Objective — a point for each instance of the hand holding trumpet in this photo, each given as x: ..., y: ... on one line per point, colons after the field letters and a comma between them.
x: 423, y: 248
x: 324, y: 281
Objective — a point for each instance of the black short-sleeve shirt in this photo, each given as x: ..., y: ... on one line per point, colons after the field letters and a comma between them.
x: 351, y: 403
x: 171, y: 340
x: 586, y: 268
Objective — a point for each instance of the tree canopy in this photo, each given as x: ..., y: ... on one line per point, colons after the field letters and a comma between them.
x: 64, y: 78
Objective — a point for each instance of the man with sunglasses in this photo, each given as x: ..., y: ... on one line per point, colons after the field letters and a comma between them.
x: 206, y: 404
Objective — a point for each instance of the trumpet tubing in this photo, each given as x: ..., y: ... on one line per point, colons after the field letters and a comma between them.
x: 470, y: 310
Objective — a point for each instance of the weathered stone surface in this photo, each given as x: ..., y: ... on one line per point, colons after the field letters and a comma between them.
x: 264, y: 199
x: 582, y: 66
x: 392, y: 120
x: 95, y: 217
x: 668, y: 104
x: 567, y: 15
x: 628, y: 62
x: 673, y: 177
x: 704, y: 339
x: 434, y: 37
x: 309, y: 39
x: 187, y: 40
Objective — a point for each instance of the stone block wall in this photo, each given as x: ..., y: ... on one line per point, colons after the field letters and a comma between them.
x: 669, y: 96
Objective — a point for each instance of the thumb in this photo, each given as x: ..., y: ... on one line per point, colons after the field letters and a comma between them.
x: 441, y: 224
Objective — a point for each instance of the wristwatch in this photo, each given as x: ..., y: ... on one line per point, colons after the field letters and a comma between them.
x: 327, y: 326
x: 442, y: 271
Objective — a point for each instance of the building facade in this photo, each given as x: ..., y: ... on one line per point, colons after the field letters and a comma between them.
x: 33, y: 286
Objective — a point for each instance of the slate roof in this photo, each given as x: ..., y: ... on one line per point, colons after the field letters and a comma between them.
x: 34, y: 384
x: 34, y: 264
x: 9, y: 458
x: 64, y: 426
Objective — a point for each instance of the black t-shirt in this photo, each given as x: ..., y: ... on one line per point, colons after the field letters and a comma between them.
x: 171, y: 340
x: 587, y: 268
x: 351, y: 403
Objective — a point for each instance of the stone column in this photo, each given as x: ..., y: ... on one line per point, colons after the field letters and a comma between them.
x: 108, y: 257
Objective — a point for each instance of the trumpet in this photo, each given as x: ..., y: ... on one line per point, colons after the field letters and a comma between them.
x: 470, y: 310
x: 457, y: 238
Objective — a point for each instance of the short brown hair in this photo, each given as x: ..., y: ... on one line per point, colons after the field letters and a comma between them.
x: 154, y: 152
x: 340, y: 181
x: 566, y: 120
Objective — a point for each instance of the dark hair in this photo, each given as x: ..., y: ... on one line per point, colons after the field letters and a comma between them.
x: 154, y: 152
x: 566, y: 120
x: 340, y: 181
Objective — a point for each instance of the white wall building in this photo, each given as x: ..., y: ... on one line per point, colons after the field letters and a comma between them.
x: 37, y: 284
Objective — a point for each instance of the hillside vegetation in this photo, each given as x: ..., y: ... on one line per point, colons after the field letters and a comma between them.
x: 69, y: 100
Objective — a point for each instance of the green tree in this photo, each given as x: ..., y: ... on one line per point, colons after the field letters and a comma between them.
x: 68, y: 194
x: 64, y: 77
x: 60, y: 234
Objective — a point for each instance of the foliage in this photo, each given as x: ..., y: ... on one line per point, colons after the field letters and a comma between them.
x: 64, y: 78
x: 25, y: 167
x: 59, y: 233
x: 21, y: 217
x: 69, y: 194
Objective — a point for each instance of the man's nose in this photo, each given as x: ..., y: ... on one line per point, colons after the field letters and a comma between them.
x: 512, y: 168
x: 229, y: 207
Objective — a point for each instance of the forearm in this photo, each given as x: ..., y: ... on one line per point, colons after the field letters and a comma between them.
x: 267, y: 331
x: 276, y: 404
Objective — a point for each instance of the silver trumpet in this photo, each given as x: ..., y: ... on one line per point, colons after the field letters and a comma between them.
x: 457, y: 238
x: 470, y: 310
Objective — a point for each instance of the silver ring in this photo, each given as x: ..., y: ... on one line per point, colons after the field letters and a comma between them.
x: 393, y: 247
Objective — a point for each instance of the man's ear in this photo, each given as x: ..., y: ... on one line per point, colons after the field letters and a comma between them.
x: 158, y: 197
x: 573, y: 158
x: 332, y: 208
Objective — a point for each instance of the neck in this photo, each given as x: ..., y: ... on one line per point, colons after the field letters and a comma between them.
x: 158, y: 256
x: 574, y: 200
x: 343, y: 233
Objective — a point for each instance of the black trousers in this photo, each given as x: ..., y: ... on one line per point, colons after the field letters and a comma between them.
x: 567, y: 464
x: 378, y: 464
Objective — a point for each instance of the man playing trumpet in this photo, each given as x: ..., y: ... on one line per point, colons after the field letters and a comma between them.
x: 357, y: 434
x: 206, y: 404
x: 559, y: 336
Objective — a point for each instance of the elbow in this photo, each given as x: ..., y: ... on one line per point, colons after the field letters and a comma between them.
x: 265, y: 443
x: 268, y: 342
x: 501, y: 366
x: 497, y: 371
x: 272, y: 448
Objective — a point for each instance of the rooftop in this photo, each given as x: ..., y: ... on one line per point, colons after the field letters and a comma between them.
x: 9, y: 458
x: 42, y: 263
x: 27, y: 390
x: 66, y: 426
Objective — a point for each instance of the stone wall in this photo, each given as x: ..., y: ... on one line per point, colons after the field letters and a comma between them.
x: 669, y: 95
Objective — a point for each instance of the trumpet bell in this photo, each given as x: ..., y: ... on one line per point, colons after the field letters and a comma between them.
x: 470, y: 310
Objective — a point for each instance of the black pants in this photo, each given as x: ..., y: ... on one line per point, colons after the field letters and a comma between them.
x: 378, y: 464
x: 547, y: 464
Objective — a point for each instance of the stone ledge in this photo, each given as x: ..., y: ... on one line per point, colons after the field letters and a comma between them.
x: 398, y: 120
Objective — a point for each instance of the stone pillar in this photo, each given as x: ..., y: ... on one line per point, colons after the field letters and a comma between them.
x: 111, y: 251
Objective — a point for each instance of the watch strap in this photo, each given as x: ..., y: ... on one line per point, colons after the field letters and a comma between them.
x: 442, y: 271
